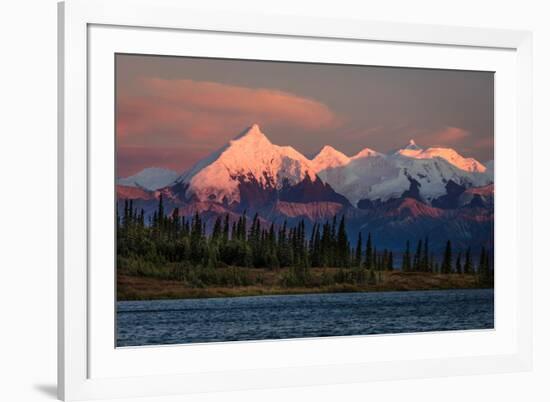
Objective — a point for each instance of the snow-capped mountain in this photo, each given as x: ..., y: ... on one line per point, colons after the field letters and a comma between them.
x: 329, y: 158
x: 477, y: 196
x: 355, y: 179
x: 249, y: 158
x: 450, y: 155
x: 150, y: 178
x: 370, y: 175
x: 252, y: 160
x: 328, y: 165
x: 404, y: 195
x: 411, y: 150
x: 429, y: 174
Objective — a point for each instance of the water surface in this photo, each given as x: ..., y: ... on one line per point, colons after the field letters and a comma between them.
x: 161, y: 322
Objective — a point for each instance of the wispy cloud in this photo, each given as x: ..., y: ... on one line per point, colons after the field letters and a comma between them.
x: 173, y: 111
x: 447, y: 136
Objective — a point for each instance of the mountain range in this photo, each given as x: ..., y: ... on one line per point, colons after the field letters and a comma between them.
x: 151, y: 178
x: 404, y: 195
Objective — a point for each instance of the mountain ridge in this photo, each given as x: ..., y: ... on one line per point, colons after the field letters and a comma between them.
x: 252, y: 157
x: 394, y: 196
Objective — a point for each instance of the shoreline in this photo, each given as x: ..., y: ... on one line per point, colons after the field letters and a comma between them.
x: 132, y: 288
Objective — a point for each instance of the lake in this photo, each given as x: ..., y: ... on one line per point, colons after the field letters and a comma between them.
x: 161, y: 322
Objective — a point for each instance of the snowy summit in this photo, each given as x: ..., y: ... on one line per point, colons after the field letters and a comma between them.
x: 252, y: 158
x: 150, y: 178
x: 248, y: 157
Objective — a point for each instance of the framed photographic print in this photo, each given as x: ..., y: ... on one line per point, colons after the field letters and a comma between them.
x: 263, y: 201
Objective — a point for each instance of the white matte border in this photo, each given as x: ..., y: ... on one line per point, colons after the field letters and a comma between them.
x: 73, y: 363
x: 106, y: 361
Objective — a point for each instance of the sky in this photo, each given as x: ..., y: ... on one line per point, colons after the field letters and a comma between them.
x: 173, y: 111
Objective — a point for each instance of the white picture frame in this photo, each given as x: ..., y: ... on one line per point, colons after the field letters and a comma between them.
x: 89, y: 367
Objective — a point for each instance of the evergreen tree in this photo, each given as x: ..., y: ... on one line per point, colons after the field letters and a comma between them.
x: 142, y: 218
x: 160, y: 212
x: 446, y: 265
x: 217, y: 231
x: 225, y: 231
x: 390, y: 261
x: 484, y: 271
x: 406, y: 263
x: 425, y: 262
x: 315, y: 247
x: 369, y: 263
x: 234, y: 231
x: 125, y: 221
x: 342, y: 244
x: 359, y: 251
x: 333, y: 251
x: 481, y: 265
x: 458, y: 265
x: 417, y: 257
x: 325, y: 246
x: 468, y: 269
x: 167, y: 245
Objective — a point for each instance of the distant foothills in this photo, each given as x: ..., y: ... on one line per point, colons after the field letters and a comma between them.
x: 254, y: 218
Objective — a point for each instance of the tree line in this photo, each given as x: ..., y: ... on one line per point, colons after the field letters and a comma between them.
x: 171, y: 238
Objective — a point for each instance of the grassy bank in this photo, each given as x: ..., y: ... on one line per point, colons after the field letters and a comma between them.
x: 266, y: 282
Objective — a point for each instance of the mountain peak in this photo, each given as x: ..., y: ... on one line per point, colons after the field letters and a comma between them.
x: 454, y: 158
x: 253, y: 132
x: 328, y: 157
x: 250, y: 159
x: 255, y: 128
x: 329, y: 150
x: 151, y: 178
x: 412, y: 145
x: 411, y: 150
x: 364, y: 153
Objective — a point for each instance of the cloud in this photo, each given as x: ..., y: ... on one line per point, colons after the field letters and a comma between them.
x: 168, y: 112
x: 450, y: 135
x: 484, y: 143
x: 445, y: 136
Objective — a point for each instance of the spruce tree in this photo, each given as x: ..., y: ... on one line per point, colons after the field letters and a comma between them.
x: 217, y: 230
x: 406, y: 263
x: 327, y: 246
x: 342, y: 244
x: 316, y: 248
x: 359, y: 251
x: 369, y: 264
x: 225, y: 232
x: 446, y: 265
x: 234, y: 231
x: 333, y: 251
x: 484, y: 270
x: 142, y: 218
x: 160, y: 212
x: 481, y: 265
x: 425, y: 257
x: 468, y: 262
x: 458, y: 265
x: 126, y: 216
x: 417, y: 257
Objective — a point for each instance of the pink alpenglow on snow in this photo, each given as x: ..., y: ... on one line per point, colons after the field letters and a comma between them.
x: 252, y: 158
